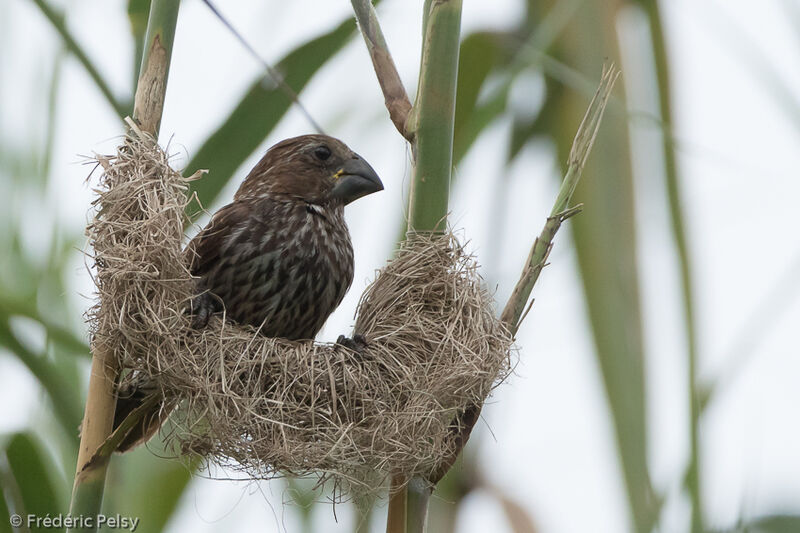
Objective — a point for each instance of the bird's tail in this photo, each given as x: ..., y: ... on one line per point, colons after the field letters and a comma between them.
x: 131, y: 397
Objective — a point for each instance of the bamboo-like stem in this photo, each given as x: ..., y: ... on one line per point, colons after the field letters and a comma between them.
x: 98, y: 421
x: 418, y: 495
x: 96, y: 447
x: 587, y: 132
x: 432, y: 119
x: 677, y: 216
x: 432, y: 124
x: 152, y: 86
x: 398, y: 504
x: 428, y: 126
x: 57, y: 20
x: 395, y: 96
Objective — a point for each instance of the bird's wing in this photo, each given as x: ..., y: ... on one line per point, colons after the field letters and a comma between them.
x: 205, y: 251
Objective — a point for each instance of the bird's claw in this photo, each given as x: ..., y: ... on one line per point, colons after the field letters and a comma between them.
x: 201, y: 309
x: 357, y: 343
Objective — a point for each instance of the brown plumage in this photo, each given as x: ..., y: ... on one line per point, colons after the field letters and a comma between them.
x: 278, y: 257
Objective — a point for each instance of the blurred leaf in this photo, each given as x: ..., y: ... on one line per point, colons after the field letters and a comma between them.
x: 364, y: 511
x: 52, y: 108
x: 792, y: 8
x: 10, y: 497
x: 62, y: 389
x: 760, y: 323
x: 259, y: 112
x: 605, y: 237
x: 34, y: 478
x: 538, y: 35
x: 302, y: 493
x: 518, y: 517
x: 768, y: 524
x: 774, y: 524
x: 59, y: 24
x: 37, y: 293
x: 451, y: 491
x: 677, y: 215
x: 524, y: 131
x: 138, y: 10
x: 5, y: 515
x: 70, y: 342
x: 16, y: 281
x: 480, y: 54
x: 482, y: 117
x: 147, y: 486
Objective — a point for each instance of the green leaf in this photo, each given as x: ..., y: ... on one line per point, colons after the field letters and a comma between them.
x: 5, y: 515
x: 452, y: 490
x: 303, y: 494
x: 56, y: 19
x: 773, y: 524
x: 605, y: 240
x: 480, y: 119
x: 34, y: 477
x: 53, y: 377
x: 524, y: 131
x: 542, y: 35
x: 779, y: 523
x: 480, y: 54
x: 677, y: 214
x: 259, y: 112
x: 138, y: 11
x: 143, y: 485
x: 70, y: 342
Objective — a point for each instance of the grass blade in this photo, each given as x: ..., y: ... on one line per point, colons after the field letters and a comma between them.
x: 605, y: 242
x: 677, y: 217
x: 32, y: 472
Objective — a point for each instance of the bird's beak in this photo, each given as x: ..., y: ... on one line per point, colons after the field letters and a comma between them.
x: 354, y: 180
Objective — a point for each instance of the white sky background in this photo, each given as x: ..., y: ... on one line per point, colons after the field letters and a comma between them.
x: 551, y: 442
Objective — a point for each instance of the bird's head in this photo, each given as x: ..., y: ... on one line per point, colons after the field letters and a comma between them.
x: 316, y: 169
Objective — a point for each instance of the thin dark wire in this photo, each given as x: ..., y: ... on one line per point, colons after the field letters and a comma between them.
x: 271, y: 71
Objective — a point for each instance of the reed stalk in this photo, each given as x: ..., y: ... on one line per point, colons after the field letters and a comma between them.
x: 428, y: 126
x: 96, y: 443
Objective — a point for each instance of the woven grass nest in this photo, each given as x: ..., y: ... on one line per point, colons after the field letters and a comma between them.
x: 270, y: 406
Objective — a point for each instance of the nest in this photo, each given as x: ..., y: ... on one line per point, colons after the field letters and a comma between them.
x: 269, y: 406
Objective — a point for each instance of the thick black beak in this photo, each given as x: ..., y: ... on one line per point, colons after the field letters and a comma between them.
x: 354, y: 180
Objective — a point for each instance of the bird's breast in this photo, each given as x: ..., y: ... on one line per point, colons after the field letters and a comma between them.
x: 289, y: 276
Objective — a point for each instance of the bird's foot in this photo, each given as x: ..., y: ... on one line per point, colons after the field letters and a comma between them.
x: 201, y: 309
x: 358, y: 343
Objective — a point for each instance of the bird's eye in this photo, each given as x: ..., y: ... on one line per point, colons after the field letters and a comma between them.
x: 322, y: 152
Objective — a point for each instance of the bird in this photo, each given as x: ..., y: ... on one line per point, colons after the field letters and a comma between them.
x: 278, y: 258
